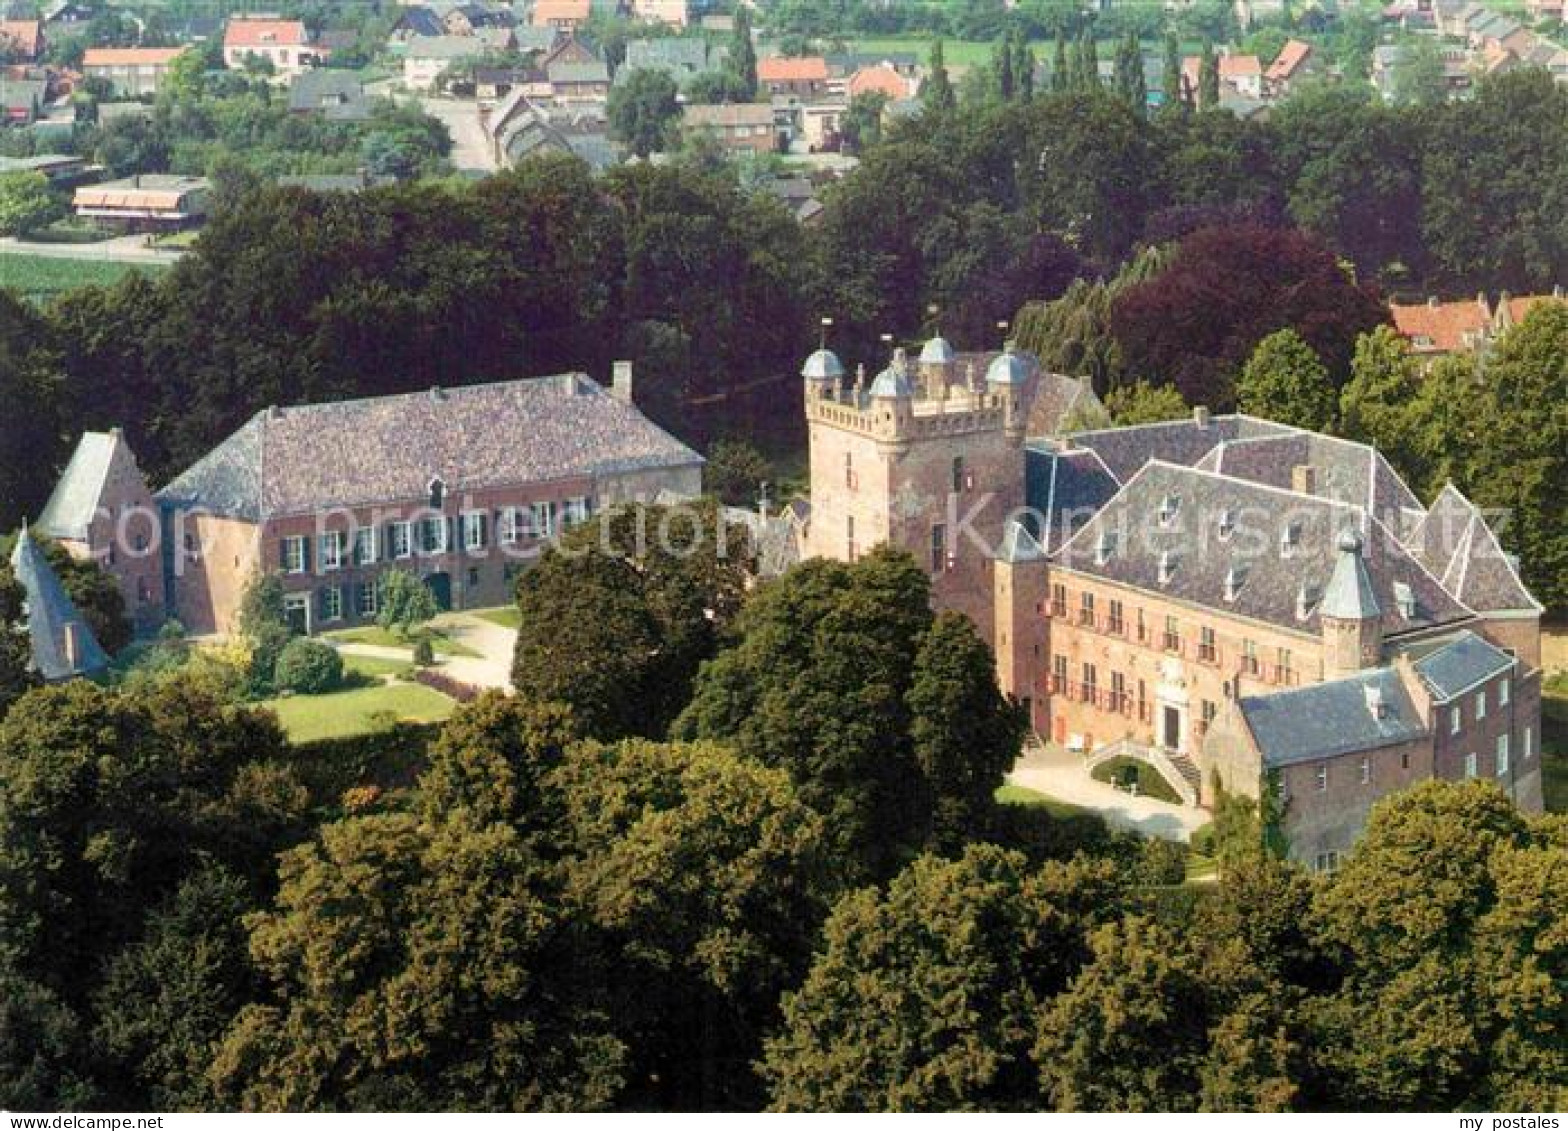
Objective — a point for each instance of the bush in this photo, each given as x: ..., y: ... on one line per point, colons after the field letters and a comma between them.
x: 424, y: 653
x: 1162, y: 862
x: 456, y: 688
x: 308, y: 667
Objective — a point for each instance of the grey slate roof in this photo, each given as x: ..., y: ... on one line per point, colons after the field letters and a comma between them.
x: 51, y: 615
x: 1329, y: 719
x: 1275, y: 579
x: 1349, y: 595
x: 1065, y: 488
x: 324, y: 90
x: 1459, y: 664
x: 69, y: 511
x: 1456, y: 544
x: 383, y: 449
x: 421, y: 21
x: 1184, y: 441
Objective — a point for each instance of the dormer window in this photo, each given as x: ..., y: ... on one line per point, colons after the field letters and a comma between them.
x: 437, y: 493
x: 1227, y: 525
x: 1290, y: 540
x: 1405, y: 598
x: 1168, y: 508
x: 1307, y: 598
x: 1106, y: 548
x: 1235, y: 578
x: 1377, y: 706
x: 1168, y: 563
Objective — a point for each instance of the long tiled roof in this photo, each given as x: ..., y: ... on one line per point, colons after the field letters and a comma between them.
x: 51, y: 615
x: 1272, y: 566
x: 70, y: 509
x: 1460, y: 663
x: 1455, y: 543
x: 1365, y: 711
x: 385, y: 449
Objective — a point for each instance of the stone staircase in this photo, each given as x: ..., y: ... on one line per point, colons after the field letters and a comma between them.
x: 1177, y: 769
x: 1188, y: 769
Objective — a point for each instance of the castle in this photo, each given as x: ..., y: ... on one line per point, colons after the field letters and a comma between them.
x: 1234, y: 601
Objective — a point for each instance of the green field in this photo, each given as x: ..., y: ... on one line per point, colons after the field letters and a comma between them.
x: 358, y: 710
x: 41, y: 277
x: 958, y: 52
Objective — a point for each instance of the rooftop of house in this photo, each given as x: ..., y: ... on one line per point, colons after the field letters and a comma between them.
x: 74, y: 503
x: 1457, y: 664
x: 416, y: 19
x: 145, y: 190
x: 1259, y: 552
x: 1366, y: 711
x: 444, y: 47
x: 130, y: 56
x: 27, y: 35
x: 1443, y: 327
x: 1067, y: 488
x: 318, y: 89
x: 1457, y: 546
x: 62, y: 643
x: 244, y: 32
x: 1289, y: 60
x: 353, y: 453
x: 1239, y: 67
x: 561, y: 11
x: 783, y: 68
x: 669, y: 52
x: 727, y: 114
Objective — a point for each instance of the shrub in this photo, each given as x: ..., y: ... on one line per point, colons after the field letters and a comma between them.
x: 308, y: 667
x: 424, y: 654
x: 456, y: 688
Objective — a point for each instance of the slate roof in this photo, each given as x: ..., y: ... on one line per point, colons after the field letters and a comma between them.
x: 350, y: 453
x: 50, y: 615
x: 1183, y: 441
x: 1329, y: 719
x: 668, y: 53
x: 1455, y: 543
x: 327, y: 90
x: 444, y: 47
x: 1349, y: 595
x: 1459, y: 664
x: 420, y: 21
x: 1065, y: 489
x: 1274, y: 578
x: 70, y: 509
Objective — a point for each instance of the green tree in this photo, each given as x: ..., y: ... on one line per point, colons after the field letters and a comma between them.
x: 404, y: 602
x: 35, y: 440
x: 16, y: 656
x: 1061, y: 72
x: 742, y: 58
x: 26, y: 204
x: 1208, y: 78
x: 1143, y: 403
x: 643, y: 111
x: 703, y: 873
x: 925, y: 997
x: 95, y: 594
x: 736, y: 471
x: 1002, y: 67
x: 1088, y: 61
x: 937, y: 94
x: 263, y: 626
x: 1175, y: 96
x: 861, y: 125
x: 1023, y: 67
x: 1285, y: 381
x: 1129, y: 72
x: 966, y: 736
x: 1378, y: 404
x: 1419, y: 74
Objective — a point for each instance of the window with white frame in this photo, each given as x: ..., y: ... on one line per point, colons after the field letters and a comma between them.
x: 365, y: 545
x: 1529, y: 743
x: 475, y: 530
x: 1366, y: 769
x: 1502, y: 693
x: 332, y: 603
x: 331, y: 548
x: 574, y: 512
x: 1480, y: 704
x: 1502, y: 755
x: 432, y: 535
x: 1456, y: 719
x: 1472, y: 765
x: 400, y: 540
x: 1322, y: 776
x: 294, y: 555
x: 542, y: 519
x: 366, y: 598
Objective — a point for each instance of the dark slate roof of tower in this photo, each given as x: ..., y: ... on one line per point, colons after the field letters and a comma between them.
x: 1282, y: 545
x: 385, y: 449
x: 1460, y: 663
x: 71, y: 507
x: 1326, y: 720
x: 50, y: 615
x: 1349, y: 595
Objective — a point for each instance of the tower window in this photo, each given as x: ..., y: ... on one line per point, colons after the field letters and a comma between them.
x: 958, y: 474
x: 939, y: 560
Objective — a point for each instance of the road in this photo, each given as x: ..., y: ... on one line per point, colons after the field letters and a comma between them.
x: 123, y: 249
x: 471, y: 148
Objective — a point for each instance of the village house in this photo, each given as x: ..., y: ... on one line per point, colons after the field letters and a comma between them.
x: 1440, y: 329
x: 1296, y: 62
x: 147, y: 202
x: 338, y: 96
x: 674, y: 13
x: 329, y: 496
x: 427, y: 58
x: 21, y: 41
x: 1200, y: 595
x: 131, y: 72
x: 283, y: 43
x: 800, y: 78
x: 562, y: 15
x: 881, y: 79
x: 741, y: 127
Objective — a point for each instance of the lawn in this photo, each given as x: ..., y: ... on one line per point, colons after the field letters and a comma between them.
x: 382, y: 638
x: 373, y: 667
x: 40, y: 277
x: 1118, y: 771
x: 1019, y: 795
x: 338, y: 714
x: 1554, y: 742
x: 958, y: 52
x: 507, y: 616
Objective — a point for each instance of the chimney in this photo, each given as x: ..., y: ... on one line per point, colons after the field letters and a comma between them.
x: 1200, y: 415
x: 1431, y: 302
x: 621, y: 381
x: 73, y: 645
x: 1304, y: 479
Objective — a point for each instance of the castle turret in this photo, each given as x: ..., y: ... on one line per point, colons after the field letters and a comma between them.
x: 1351, y: 619
x: 1005, y: 380
x: 937, y: 361
x: 823, y: 372
x: 893, y: 399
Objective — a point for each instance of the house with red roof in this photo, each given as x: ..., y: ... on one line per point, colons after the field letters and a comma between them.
x: 284, y: 43
x: 805, y: 76
x: 21, y: 41
x: 1295, y: 62
x: 130, y: 71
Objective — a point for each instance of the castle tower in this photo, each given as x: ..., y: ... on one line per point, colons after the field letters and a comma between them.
x: 823, y: 373
x: 1019, y: 585
x: 1351, y: 619
x: 1005, y: 380
x: 893, y: 402
x: 936, y: 368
